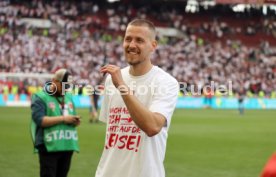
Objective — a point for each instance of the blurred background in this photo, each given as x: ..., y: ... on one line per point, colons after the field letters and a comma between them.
x: 200, y: 42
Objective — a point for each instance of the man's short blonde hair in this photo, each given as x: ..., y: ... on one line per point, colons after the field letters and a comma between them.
x: 146, y: 23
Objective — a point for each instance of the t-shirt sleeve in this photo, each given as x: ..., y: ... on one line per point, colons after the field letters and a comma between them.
x: 38, y: 110
x: 165, y: 98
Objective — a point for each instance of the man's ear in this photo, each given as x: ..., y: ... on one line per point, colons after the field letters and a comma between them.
x: 154, y: 45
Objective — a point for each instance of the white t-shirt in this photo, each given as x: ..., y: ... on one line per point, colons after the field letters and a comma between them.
x: 128, y: 151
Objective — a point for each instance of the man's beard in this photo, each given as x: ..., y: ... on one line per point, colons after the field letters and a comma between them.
x: 134, y: 61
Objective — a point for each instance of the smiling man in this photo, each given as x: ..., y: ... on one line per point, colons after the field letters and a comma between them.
x: 138, y: 104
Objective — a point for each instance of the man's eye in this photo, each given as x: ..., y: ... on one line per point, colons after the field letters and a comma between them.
x: 128, y: 39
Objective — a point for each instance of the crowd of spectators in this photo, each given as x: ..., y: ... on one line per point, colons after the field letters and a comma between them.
x: 84, y: 35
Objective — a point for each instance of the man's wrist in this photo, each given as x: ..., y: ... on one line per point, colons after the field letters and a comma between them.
x: 124, y: 90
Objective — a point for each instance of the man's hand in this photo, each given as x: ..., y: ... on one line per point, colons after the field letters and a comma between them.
x: 71, y: 119
x: 115, y: 73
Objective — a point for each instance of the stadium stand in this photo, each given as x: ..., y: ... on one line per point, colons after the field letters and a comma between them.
x: 240, y: 47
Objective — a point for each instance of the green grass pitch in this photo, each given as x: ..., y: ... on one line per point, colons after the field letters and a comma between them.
x: 209, y: 143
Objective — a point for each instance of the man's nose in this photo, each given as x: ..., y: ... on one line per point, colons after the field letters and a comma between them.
x: 132, y: 44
